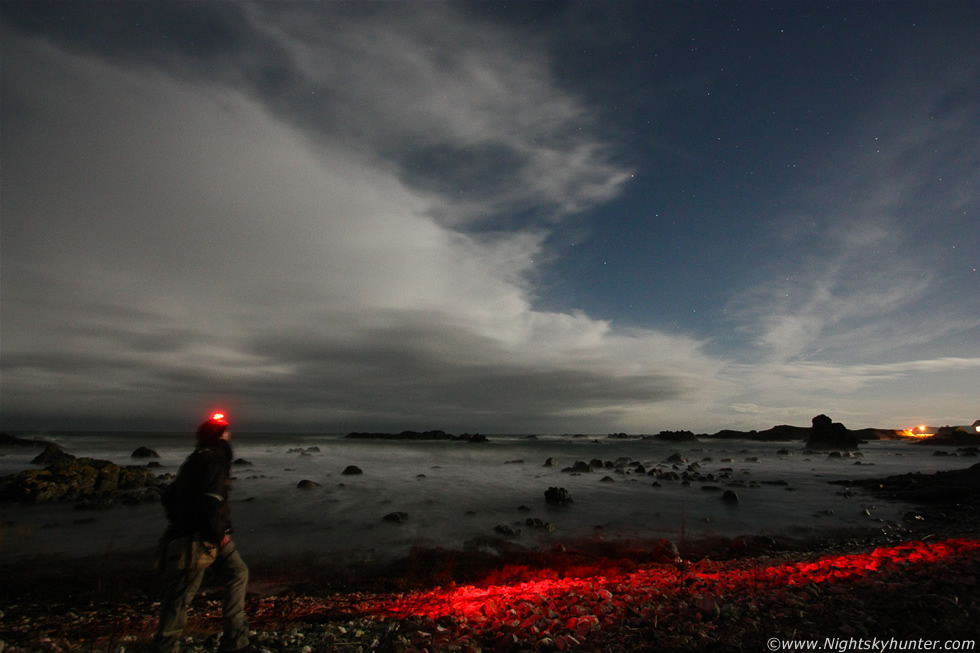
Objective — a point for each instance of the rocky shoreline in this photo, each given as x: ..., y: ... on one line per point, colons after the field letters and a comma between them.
x: 914, y: 580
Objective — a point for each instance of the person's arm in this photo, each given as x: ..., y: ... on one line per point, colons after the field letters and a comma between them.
x: 212, y: 508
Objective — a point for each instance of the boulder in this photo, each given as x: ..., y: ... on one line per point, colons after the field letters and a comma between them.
x: 730, y: 496
x: 144, y: 452
x: 508, y: 531
x: 827, y: 435
x: 557, y: 496
x: 579, y: 467
x: 550, y: 463
x: 666, y: 551
x: 307, y: 484
x: 396, y: 517
x: 534, y: 522
x: 351, y: 470
x: 307, y: 450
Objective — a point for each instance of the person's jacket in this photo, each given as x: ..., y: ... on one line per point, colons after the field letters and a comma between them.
x: 197, y: 500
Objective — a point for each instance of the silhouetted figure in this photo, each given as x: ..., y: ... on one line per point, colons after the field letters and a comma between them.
x: 197, y: 538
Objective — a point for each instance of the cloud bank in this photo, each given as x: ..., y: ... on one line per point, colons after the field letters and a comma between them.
x: 175, y: 242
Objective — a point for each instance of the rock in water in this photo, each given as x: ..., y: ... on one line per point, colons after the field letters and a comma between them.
x: 144, y: 452
x: 827, y: 435
x: 66, y: 480
x: 351, y: 470
x: 558, y: 496
x: 580, y: 467
x: 396, y: 517
x: 729, y: 496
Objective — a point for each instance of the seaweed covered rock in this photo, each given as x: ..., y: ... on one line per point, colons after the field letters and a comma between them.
x: 73, y: 479
x: 66, y: 480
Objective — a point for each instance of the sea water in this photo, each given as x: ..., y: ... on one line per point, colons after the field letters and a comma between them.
x: 455, y: 493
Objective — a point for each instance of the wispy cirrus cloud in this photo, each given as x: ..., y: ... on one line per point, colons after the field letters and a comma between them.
x: 861, y: 265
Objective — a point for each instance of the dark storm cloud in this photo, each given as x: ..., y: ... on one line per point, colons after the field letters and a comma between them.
x: 448, y: 378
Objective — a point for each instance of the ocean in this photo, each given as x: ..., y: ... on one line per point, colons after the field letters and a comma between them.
x: 454, y: 494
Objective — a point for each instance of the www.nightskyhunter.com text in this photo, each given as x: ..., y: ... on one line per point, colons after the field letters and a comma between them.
x: 843, y: 645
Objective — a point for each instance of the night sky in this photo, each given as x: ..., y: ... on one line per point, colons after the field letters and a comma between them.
x: 561, y: 217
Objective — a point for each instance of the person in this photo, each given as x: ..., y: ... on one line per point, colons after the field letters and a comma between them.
x: 198, y: 538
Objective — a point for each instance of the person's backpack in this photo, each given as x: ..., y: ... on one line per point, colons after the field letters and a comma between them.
x: 179, y: 498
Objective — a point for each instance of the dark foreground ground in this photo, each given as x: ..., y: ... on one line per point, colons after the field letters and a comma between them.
x: 906, y: 585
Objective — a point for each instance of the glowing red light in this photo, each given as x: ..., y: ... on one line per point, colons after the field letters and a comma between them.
x: 569, y: 605
x: 599, y: 595
x: 218, y: 417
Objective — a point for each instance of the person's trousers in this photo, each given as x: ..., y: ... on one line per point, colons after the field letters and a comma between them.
x: 180, y: 588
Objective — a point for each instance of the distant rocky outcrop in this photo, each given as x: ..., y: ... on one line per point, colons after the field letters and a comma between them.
x: 952, y: 436
x: 7, y: 440
x: 827, y: 435
x: 352, y: 470
x: 775, y: 434
x: 417, y: 435
x: 676, y: 436
x: 621, y: 436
